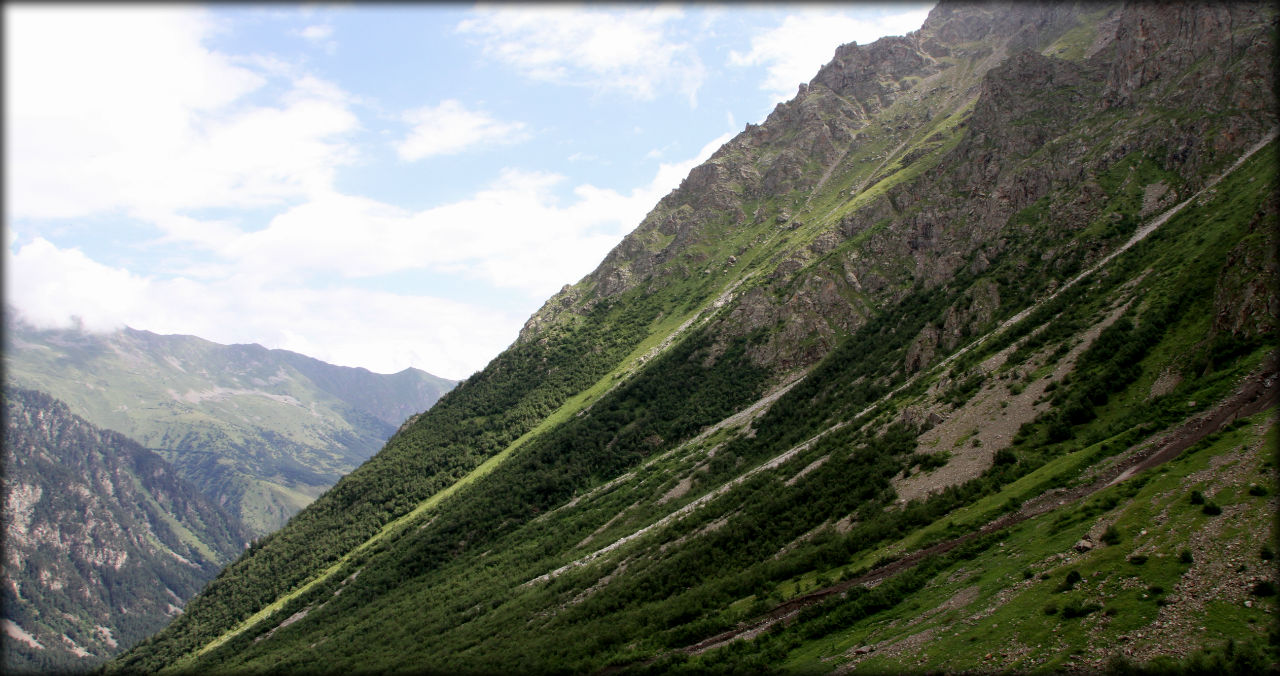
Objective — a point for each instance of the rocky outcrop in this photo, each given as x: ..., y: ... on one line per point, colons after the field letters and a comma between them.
x: 104, y: 542
x: 1027, y: 132
x: 1225, y: 49
x: 1156, y: 41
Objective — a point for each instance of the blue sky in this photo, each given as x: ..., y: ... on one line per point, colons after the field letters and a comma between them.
x: 373, y: 185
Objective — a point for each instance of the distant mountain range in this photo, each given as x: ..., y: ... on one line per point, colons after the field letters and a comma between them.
x: 262, y: 432
x: 103, y: 541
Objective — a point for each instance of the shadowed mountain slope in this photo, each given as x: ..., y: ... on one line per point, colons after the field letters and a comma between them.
x: 103, y: 541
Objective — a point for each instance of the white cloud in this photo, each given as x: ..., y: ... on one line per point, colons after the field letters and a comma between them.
x: 381, y: 331
x: 316, y: 33
x: 50, y: 286
x: 626, y: 51
x: 795, y: 49
x: 319, y: 35
x: 516, y: 234
x: 125, y: 116
x: 450, y: 128
x: 104, y: 104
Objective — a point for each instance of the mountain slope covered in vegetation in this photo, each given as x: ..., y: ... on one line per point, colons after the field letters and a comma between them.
x: 261, y: 431
x: 1010, y: 275
x: 104, y: 542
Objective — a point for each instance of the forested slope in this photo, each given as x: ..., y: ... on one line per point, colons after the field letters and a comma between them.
x: 958, y: 270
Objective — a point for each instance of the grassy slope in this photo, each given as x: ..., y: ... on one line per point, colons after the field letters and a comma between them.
x: 1004, y: 609
x: 478, y: 579
x: 674, y: 305
x: 559, y: 623
x: 1204, y: 234
x: 423, y: 510
x: 661, y: 332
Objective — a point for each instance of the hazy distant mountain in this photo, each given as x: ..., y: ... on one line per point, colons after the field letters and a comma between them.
x: 261, y: 431
x: 103, y: 541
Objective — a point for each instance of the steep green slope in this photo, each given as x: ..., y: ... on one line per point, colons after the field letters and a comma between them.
x: 103, y: 541
x: 262, y: 431
x: 954, y: 273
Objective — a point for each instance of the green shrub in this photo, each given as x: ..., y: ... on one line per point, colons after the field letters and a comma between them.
x: 1111, y: 536
x: 1069, y: 583
x: 1197, y: 498
x: 1264, y: 588
x: 1211, y: 509
x: 1138, y: 559
x: 1185, y: 556
x: 1257, y: 490
x: 1076, y: 609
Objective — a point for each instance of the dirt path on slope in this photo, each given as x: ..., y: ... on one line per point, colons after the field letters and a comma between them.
x: 1257, y: 393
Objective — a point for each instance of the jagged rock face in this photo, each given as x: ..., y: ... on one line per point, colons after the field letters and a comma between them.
x: 773, y: 159
x: 1228, y: 45
x: 1013, y: 153
x: 104, y: 542
x: 1028, y: 84
x: 873, y: 75
x: 803, y: 141
x: 1156, y: 40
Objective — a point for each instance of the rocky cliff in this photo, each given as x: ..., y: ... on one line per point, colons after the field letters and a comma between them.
x: 103, y: 542
x: 991, y: 107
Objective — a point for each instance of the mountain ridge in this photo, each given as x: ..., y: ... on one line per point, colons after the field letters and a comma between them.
x: 261, y: 430
x: 723, y: 415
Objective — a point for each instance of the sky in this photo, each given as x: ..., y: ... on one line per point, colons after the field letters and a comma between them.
x: 381, y: 186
